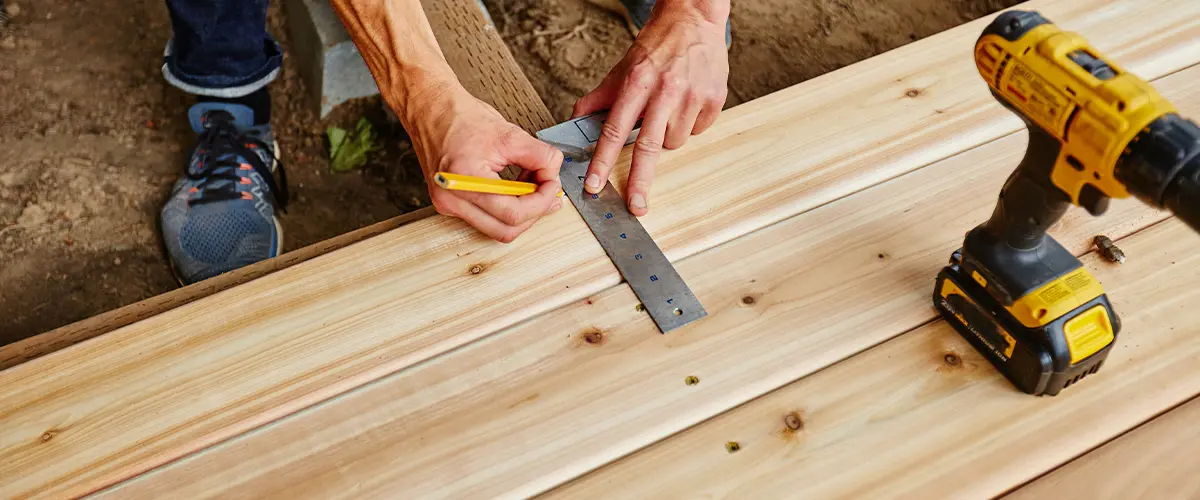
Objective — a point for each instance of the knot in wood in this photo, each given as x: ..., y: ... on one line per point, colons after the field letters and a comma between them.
x: 748, y: 300
x: 593, y: 337
x: 476, y: 269
x: 913, y: 93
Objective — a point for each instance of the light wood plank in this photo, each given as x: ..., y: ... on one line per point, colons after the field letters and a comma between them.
x: 59, y: 338
x: 1157, y: 460
x: 484, y: 65
x: 899, y: 421
x: 161, y: 388
x: 537, y: 405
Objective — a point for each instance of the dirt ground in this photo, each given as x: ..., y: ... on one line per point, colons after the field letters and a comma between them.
x: 91, y: 137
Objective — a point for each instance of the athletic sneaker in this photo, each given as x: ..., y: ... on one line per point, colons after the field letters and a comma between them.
x: 637, y: 12
x: 221, y: 214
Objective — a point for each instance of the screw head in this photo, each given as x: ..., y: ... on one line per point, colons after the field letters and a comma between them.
x: 793, y: 421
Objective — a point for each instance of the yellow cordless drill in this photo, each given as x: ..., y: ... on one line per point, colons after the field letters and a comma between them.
x: 1095, y: 132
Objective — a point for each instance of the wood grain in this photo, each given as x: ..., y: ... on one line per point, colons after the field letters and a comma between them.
x: 485, y: 67
x: 174, y: 383
x: 1156, y: 460
x: 901, y: 421
x: 45, y: 343
x: 548, y: 400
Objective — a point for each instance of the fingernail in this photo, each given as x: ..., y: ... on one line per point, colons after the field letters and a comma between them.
x: 637, y: 201
x: 557, y: 206
x: 593, y: 182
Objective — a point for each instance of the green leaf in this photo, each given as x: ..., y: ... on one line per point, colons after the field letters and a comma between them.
x: 349, y: 151
x: 337, y: 137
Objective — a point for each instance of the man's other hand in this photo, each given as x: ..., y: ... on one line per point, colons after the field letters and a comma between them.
x: 674, y: 77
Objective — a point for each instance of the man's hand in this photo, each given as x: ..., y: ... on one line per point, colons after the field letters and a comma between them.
x: 457, y: 133
x: 674, y: 77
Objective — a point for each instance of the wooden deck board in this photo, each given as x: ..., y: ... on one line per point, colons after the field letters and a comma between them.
x: 168, y: 385
x: 537, y: 405
x: 1156, y: 460
x: 900, y: 422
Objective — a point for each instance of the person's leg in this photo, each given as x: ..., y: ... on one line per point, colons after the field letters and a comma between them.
x: 221, y: 213
x: 220, y: 48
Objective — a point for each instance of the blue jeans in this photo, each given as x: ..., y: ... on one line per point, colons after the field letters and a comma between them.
x: 220, y: 48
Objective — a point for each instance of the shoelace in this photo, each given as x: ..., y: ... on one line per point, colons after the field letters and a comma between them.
x: 219, y: 172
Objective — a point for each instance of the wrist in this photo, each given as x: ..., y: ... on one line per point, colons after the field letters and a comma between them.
x: 422, y: 95
x: 711, y: 11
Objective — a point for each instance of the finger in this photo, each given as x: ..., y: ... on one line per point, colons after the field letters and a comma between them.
x: 616, y: 129
x: 477, y: 218
x: 680, y: 127
x: 602, y: 97
x: 517, y: 210
x: 647, y: 149
x: 712, y: 109
x: 490, y: 226
x: 530, y: 154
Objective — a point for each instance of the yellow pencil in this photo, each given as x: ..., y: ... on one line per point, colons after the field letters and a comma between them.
x: 459, y: 182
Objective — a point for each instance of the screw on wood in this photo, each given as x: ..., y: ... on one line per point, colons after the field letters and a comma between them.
x: 691, y: 380
x: 793, y: 421
x: 639, y: 308
x: 952, y: 359
x: 733, y: 446
x: 1109, y: 249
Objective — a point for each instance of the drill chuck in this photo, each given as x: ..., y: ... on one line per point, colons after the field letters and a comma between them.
x: 1183, y: 197
x: 1162, y: 167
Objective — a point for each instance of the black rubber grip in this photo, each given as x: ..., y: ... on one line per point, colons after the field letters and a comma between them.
x: 1029, y: 203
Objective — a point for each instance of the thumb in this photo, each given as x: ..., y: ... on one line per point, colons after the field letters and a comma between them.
x: 533, y: 155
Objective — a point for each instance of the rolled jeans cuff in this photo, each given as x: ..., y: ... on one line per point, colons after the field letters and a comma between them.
x: 226, y: 86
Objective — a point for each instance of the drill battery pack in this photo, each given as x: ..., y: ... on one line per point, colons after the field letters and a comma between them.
x: 1037, y: 360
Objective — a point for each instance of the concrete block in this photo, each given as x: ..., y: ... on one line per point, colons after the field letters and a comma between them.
x: 328, y: 60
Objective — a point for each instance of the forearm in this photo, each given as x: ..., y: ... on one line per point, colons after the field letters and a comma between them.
x: 398, y: 45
